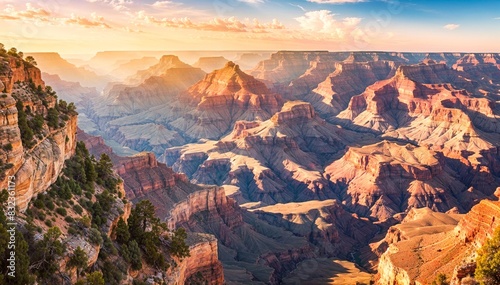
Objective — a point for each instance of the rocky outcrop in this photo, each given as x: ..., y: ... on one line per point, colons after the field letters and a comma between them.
x: 386, y: 178
x: 274, y: 161
x: 41, y: 165
x: 127, y: 68
x: 206, y: 200
x: 142, y: 174
x: 325, y: 223
x: 285, y: 66
x: 53, y: 63
x: 202, y: 265
x: 267, y: 257
x: 209, y: 64
x: 349, y: 79
x: 223, y: 97
x: 430, y: 243
x: 308, y: 81
x: 479, y: 224
x: 166, y: 62
x: 294, y: 110
x: 37, y: 166
x: 13, y: 69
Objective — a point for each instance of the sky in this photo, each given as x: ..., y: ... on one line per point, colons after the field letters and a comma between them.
x: 89, y: 26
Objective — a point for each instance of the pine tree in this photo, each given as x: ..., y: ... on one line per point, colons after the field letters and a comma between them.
x: 95, y: 278
x: 122, y: 232
x: 178, y: 246
x: 79, y: 260
x: 488, y: 261
x: 47, y: 252
x: 90, y: 171
x: 135, y: 255
x: 23, y: 276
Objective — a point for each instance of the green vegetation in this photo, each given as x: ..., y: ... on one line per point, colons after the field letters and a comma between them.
x: 441, y: 279
x: 488, y: 261
x: 78, y: 260
x: 22, y: 261
x: 81, y: 198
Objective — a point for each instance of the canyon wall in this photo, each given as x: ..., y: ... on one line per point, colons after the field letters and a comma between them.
x: 35, y: 167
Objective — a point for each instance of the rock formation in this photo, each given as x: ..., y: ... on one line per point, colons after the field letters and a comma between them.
x: 223, y: 97
x: 35, y: 166
x: 326, y: 224
x: 285, y: 66
x: 52, y: 63
x: 209, y: 64
x: 278, y: 160
x: 153, y: 91
x: 166, y: 62
x: 349, y: 79
x: 387, y: 178
x: 429, y: 243
x: 126, y: 68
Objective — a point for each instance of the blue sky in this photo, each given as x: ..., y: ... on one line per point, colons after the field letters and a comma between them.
x: 87, y: 26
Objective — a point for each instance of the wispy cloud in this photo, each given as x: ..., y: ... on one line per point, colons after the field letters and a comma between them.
x: 497, y: 18
x: 231, y: 24
x: 298, y: 6
x: 93, y: 21
x: 451, y: 27
x: 116, y: 4
x: 165, y: 4
x: 336, y: 1
x: 30, y: 13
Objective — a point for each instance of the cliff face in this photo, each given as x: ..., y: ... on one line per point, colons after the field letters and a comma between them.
x: 13, y: 69
x: 223, y: 97
x: 202, y: 265
x: 209, y: 64
x: 209, y: 200
x: 37, y: 166
x: 143, y: 177
x: 42, y: 164
x: 284, y: 66
x: 428, y: 243
x: 166, y: 62
x: 240, y: 233
x: 325, y: 223
x: 349, y: 79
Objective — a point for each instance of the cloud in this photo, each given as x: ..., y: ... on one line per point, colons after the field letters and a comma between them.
x: 231, y: 24
x: 116, y: 4
x: 336, y: 1
x: 92, y: 22
x: 165, y: 4
x: 323, y: 21
x: 451, y: 27
x: 497, y: 18
x: 298, y: 6
x: 30, y: 13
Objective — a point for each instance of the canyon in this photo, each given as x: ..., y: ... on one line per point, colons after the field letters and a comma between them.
x: 376, y: 167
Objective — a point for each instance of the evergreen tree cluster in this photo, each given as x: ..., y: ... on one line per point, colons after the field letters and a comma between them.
x: 145, y: 234
x: 38, y: 258
x: 32, y: 124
